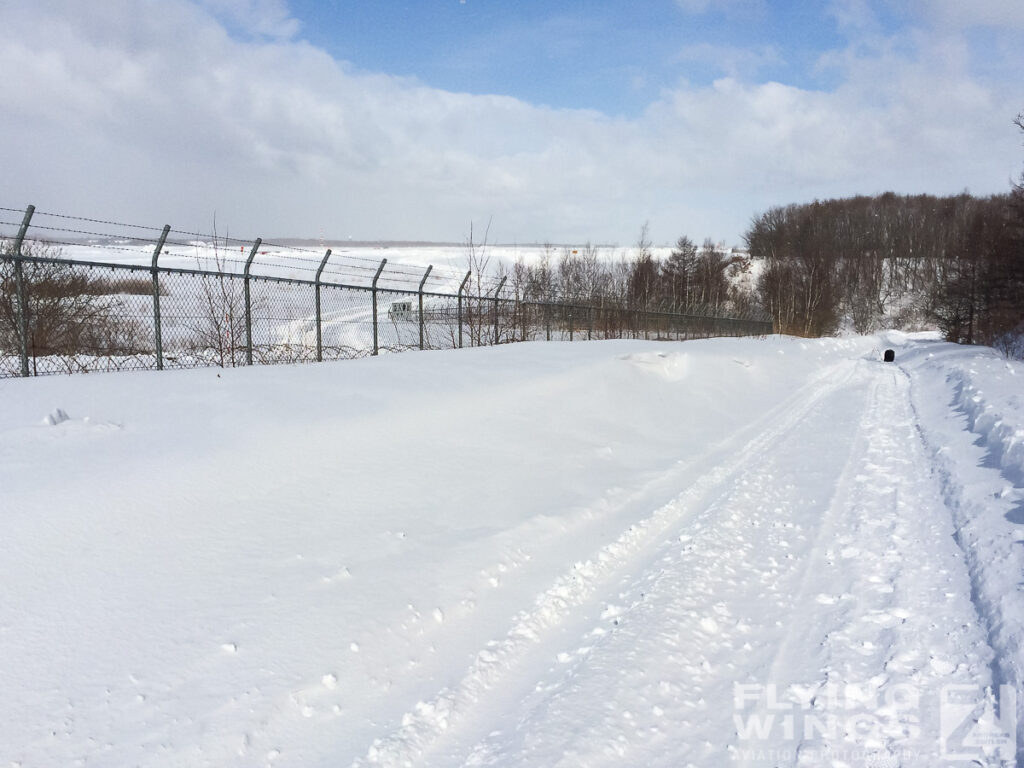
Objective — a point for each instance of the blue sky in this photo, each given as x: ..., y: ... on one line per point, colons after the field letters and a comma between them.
x: 564, y: 122
x: 609, y: 56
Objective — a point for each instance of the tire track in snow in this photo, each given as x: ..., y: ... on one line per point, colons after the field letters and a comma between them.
x: 697, y: 608
x: 429, y: 721
x: 887, y: 563
x: 736, y: 604
x: 793, y: 642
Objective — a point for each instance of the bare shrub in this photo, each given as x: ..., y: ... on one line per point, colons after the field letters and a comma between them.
x: 68, y: 310
x: 218, y: 328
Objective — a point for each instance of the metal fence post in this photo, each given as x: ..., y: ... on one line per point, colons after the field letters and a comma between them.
x: 248, y: 302
x: 19, y: 287
x: 373, y: 292
x: 420, y: 294
x: 316, y: 288
x: 497, y: 291
x: 157, y: 332
x: 462, y: 287
x: 572, y: 323
x: 547, y: 320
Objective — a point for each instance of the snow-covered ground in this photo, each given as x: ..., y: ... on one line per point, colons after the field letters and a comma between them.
x: 755, y: 552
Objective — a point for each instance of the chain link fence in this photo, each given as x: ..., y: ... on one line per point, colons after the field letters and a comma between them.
x: 173, y: 303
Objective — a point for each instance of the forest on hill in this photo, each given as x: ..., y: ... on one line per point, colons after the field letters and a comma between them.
x: 862, y: 263
x: 905, y: 261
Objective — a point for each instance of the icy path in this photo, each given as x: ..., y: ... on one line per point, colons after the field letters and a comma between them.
x: 817, y: 571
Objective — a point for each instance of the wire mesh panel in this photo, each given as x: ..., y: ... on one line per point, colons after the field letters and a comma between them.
x: 346, y: 322
x: 475, y: 330
x: 504, y: 321
x: 283, y: 322
x: 440, y: 322
x: 527, y: 321
x: 75, y: 318
x: 398, y: 321
x: 202, y: 320
x: 10, y: 363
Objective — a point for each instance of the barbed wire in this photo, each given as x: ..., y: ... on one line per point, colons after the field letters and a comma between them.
x: 392, y: 281
x: 70, y: 244
x: 96, y: 221
x: 340, y: 263
x: 211, y: 237
x: 389, y: 274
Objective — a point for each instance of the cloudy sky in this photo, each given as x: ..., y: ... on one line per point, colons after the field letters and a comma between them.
x: 558, y: 121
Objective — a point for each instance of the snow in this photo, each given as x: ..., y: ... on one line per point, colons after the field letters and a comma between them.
x: 740, y: 551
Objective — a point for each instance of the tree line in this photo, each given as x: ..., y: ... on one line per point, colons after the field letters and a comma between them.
x: 705, y: 280
x: 896, y: 260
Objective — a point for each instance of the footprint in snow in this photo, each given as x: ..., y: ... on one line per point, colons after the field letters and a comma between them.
x: 58, y: 416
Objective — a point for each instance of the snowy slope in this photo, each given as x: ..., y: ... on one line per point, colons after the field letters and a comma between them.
x: 612, y: 553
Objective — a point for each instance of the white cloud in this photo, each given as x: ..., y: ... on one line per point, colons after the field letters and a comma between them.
x: 165, y: 117
x: 731, y: 60
x: 1006, y: 14
x: 853, y: 14
x: 697, y: 7
x: 694, y: 6
x: 270, y: 18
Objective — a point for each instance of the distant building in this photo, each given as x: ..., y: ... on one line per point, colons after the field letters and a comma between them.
x: 402, y: 310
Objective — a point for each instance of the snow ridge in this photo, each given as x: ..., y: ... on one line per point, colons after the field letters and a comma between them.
x: 979, y: 481
x: 1003, y: 438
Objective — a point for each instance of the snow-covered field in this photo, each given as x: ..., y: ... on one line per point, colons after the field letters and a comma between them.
x: 750, y: 552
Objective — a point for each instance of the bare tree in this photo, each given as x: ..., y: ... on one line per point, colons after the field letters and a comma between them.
x: 677, y: 274
x: 479, y: 307
x: 218, y: 328
x: 711, y: 281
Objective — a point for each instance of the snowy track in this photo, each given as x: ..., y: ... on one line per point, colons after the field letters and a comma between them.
x: 766, y: 572
x: 580, y: 586
x: 721, y: 553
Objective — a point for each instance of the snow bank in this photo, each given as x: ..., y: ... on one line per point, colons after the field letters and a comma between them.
x: 1000, y: 428
x: 971, y: 413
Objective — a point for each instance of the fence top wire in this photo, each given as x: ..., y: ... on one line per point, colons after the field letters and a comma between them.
x: 207, y: 238
x: 94, y: 221
x: 342, y: 267
x: 144, y: 230
x: 105, y: 247
x: 392, y: 277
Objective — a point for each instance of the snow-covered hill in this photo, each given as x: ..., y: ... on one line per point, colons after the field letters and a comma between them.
x: 738, y: 551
